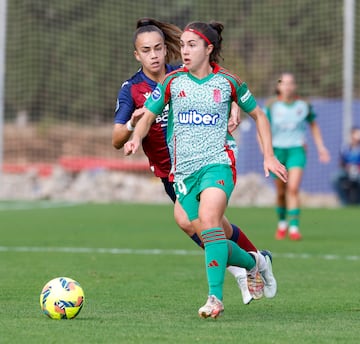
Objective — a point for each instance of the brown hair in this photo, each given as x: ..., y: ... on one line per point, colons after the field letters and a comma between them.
x: 212, y: 33
x: 169, y: 32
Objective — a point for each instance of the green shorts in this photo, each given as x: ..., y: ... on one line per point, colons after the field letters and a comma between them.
x: 291, y: 157
x: 188, y: 191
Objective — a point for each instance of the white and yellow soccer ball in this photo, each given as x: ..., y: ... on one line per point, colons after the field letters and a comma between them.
x: 62, y: 298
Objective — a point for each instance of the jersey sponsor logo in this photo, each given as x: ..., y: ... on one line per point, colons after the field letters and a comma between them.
x: 217, y: 96
x: 193, y: 117
x: 246, y: 96
x: 163, y: 118
x: 156, y: 94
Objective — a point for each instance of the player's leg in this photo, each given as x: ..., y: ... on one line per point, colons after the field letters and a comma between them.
x: 282, y: 225
x: 240, y: 274
x: 293, y: 201
x: 295, y: 164
x: 180, y: 216
x: 219, y: 251
x: 233, y: 233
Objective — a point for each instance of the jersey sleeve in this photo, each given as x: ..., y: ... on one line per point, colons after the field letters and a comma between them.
x: 124, y: 105
x: 245, y: 99
x: 311, y: 115
x: 156, y: 102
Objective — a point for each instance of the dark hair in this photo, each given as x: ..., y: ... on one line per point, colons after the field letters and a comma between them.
x: 169, y: 32
x: 212, y: 32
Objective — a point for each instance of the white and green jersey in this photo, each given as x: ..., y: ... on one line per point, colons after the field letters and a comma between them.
x: 197, y: 133
x: 288, y: 122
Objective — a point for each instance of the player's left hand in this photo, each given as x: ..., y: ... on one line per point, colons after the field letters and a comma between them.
x: 272, y: 164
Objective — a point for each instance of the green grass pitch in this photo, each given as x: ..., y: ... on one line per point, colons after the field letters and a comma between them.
x: 144, y: 280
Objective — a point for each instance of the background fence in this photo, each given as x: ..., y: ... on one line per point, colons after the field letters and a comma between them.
x: 65, y: 61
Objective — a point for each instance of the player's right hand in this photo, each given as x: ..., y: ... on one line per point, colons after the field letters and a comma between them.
x: 131, y: 147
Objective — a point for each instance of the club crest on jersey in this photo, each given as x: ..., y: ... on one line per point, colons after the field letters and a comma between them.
x: 156, y: 94
x: 217, y: 95
x: 193, y: 117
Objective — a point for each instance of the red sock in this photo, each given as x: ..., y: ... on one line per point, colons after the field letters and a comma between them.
x: 241, y: 239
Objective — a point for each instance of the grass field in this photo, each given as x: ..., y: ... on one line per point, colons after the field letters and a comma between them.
x: 144, y: 280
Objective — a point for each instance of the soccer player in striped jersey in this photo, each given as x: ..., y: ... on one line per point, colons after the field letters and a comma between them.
x: 202, y: 150
x: 288, y: 116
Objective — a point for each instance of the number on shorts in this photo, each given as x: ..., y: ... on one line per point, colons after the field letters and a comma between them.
x: 181, y: 187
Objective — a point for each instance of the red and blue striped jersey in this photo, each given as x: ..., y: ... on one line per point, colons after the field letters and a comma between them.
x: 132, y: 95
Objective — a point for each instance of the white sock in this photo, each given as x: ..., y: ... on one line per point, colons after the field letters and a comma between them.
x: 294, y: 229
x: 282, y: 225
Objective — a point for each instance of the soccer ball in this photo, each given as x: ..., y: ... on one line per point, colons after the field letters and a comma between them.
x: 62, y: 298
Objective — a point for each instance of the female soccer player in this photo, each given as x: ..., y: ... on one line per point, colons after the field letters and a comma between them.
x: 155, y: 44
x: 202, y: 150
x: 288, y: 116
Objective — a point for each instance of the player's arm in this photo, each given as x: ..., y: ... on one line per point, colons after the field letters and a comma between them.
x: 234, y: 118
x: 324, y: 155
x: 141, y: 130
x: 122, y: 132
x: 265, y: 138
x: 126, y: 116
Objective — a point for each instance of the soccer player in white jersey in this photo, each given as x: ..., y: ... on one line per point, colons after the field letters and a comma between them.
x: 288, y: 116
x: 201, y: 149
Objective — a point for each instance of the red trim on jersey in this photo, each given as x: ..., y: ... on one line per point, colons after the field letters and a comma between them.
x: 231, y: 156
x: 173, y: 169
x: 218, y: 69
x: 226, y: 72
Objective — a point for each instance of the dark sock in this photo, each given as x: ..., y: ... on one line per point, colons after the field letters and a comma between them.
x: 241, y: 239
x: 197, y: 240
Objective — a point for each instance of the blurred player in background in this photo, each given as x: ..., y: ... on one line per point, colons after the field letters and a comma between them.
x: 202, y: 150
x: 288, y: 116
x: 347, y: 180
x: 156, y: 43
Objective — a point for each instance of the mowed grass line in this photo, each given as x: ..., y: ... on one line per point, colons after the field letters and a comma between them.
x: 137, y: 298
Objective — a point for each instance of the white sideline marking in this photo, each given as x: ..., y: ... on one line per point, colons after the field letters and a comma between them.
x: 160, y: 252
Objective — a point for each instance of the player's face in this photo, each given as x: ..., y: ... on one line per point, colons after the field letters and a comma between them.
x: 355, y: 137
x: 287, y: 86
x: 150, y: 52
x: 195, y: 54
